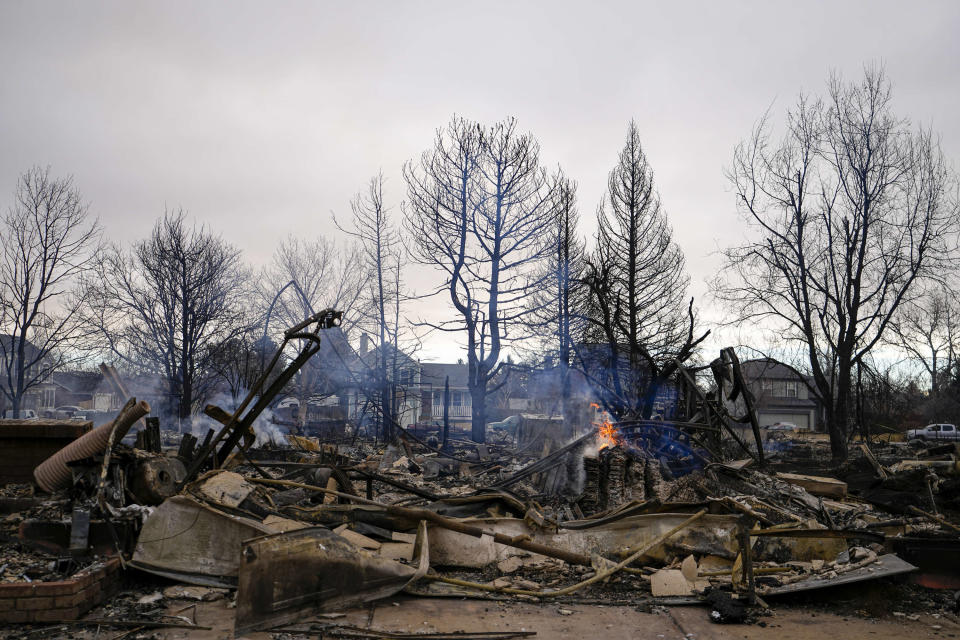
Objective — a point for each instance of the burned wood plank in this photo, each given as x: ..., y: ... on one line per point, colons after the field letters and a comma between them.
x: 817, y: 485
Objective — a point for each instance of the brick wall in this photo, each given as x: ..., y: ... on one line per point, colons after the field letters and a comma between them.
x: 62, y: 600
x: 26, y: 443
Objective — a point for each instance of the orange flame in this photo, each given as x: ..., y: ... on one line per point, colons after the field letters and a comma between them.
x: 607, y: 436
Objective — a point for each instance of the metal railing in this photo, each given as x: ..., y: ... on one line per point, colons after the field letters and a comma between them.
x: 461, y: 411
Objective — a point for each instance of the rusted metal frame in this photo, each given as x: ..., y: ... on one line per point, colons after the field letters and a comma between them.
x: 326, y: 319
x: 264, y: 400
x: 223, y: 418
x: 236, y: 428
x: 210, y: 444
x: 710, y: 409
x: 740, y: 387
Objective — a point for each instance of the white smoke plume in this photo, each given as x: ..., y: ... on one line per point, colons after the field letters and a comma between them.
x: 267, y: 431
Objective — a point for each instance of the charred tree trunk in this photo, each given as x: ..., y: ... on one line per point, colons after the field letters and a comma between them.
x: 446, y: 414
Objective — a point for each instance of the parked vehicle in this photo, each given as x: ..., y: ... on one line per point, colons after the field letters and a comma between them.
x: 783, y: 426
x: 934, y: 432
x: 25, y: 414
x: 68, y: 409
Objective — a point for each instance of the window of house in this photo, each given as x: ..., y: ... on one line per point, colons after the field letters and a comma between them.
x: 438, y: 397
x: 766, y: 386
x: 456, y: 398
x: 790, y: 389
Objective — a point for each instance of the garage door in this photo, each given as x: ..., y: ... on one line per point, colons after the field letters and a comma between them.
x: 802, y: 420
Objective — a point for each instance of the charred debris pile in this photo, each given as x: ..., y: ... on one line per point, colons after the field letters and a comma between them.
x: 696, y: 511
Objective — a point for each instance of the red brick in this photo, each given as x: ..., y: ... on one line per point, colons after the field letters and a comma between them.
x: 16, y: 616
x: 58, y: 588
x: 83, y: 580
x: 68, y: 601
x: 16, y: 589
x: 54, y: 615
x: 6, y: 604
x: 90, y: 594
x: 33, y: 604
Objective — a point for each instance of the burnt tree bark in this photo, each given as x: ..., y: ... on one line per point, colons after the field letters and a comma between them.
x: 480, y: 209
x: 164, y: 305
x: 850, y: 210
x: 639, y: 324
x: 46, y: 243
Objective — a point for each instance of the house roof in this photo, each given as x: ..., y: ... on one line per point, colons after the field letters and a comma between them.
x: 337, y: 362
x: 768, y: 369
x: 435, y: 373
x: 142, y: 385
x: 79, y: 382
x: 7, y: 342
x: 371, y: 356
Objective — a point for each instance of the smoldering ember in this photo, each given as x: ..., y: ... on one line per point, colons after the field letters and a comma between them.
x: 656, y: 336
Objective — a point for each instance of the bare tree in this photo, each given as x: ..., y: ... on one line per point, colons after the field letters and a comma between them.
x: 481, y: 209
x: 239, y: 361
x: 928, y: 330
x: 380, y: 245
x: 850, y: 210
x: 556, y: 319
x: 47, y: 241
x: 164, y: 305
x: 303, y: 277
x: 639, y: 320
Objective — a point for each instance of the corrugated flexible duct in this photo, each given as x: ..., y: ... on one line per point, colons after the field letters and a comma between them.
x: 53, y: 473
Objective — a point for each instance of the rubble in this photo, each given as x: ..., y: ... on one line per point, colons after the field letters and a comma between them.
x: 615, y: 512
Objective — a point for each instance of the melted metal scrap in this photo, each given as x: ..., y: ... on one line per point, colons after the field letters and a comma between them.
x: 287, y: 576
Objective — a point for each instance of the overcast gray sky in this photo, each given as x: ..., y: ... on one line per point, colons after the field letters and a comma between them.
x: 260, y: 118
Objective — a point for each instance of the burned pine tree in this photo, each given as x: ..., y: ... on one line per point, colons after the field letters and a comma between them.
x: 850, y: 211
x: 46, y: 243
x: 481, y: 208
x: 639, y: 324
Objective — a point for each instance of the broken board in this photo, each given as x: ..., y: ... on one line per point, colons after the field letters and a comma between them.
x: 885, y: 566
x: 817, y: 485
